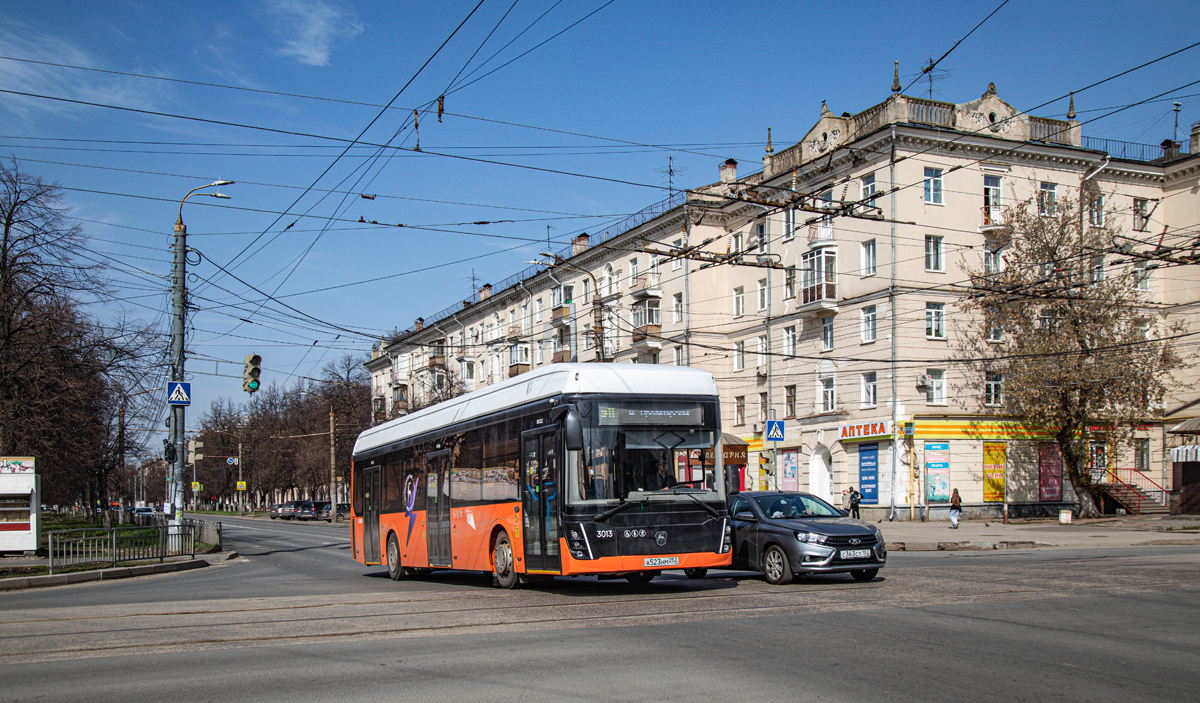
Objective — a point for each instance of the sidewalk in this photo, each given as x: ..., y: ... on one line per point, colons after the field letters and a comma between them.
x: 1133, y: 531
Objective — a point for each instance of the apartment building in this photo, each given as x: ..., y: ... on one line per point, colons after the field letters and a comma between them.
x: 822, y: 290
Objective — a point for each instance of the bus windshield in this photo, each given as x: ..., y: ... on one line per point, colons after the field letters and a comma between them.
x: 656, y: 447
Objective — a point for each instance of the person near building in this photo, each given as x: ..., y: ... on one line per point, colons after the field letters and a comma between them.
x: 855, y: 500
x: 955, y: 509
x: 845, y: 499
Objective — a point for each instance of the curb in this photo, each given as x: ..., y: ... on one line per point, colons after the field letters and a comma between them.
x: 973, y: 545
x: 123, y: 572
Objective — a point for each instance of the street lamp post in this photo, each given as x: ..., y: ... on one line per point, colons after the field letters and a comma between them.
x: 332, y: 459
x: 179, y: 296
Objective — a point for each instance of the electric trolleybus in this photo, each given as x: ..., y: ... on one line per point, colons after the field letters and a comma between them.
x: 607, y: 469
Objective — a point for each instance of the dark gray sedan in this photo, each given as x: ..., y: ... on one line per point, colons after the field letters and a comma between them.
x: 788, y: 535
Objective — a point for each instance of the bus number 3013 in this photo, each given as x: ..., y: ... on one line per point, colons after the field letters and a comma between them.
x: 604, y: 533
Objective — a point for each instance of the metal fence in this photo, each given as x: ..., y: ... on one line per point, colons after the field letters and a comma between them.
x: 118, y: 544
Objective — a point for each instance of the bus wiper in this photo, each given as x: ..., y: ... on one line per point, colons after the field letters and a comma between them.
x: 701, y: 503
x: 612, y: 511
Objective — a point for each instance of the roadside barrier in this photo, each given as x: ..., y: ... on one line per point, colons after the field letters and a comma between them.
x: 117, y: 544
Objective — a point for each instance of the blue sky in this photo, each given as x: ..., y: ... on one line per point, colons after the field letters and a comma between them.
x: 700, y: 81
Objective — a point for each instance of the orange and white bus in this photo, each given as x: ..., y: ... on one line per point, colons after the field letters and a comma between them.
x: 607, y: 469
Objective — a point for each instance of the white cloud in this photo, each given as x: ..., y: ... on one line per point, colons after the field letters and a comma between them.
x: 309, y: 29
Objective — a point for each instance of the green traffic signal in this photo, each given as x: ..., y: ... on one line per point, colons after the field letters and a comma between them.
x: 251, y: 370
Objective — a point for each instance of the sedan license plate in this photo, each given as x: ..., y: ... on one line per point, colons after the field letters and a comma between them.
x: 662, y: 561
x: 856, y: 553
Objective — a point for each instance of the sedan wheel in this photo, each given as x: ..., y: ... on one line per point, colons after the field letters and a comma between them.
x: 502, y: 563
x: 393, y: 554
x: 341, y: 518
x: 776, y: 567
x: 864, y: 574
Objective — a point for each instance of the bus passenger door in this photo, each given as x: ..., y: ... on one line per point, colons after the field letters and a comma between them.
x: 539, y: 499
x: 437, y: 508
x: 371, y: 497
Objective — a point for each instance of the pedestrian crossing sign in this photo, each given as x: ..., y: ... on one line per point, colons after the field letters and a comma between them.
x: 179, y: 393
x: 774, y: 430
x: 241, y: 485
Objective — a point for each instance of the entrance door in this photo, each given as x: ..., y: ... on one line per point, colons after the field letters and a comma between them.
x: 437, y: 508
x: 371, y: 497
x: 539, y: 499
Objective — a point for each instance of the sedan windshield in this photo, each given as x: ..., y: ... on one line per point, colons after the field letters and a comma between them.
x: 794, y: 505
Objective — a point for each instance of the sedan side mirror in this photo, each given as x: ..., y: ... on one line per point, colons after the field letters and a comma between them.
x: 744, y: 515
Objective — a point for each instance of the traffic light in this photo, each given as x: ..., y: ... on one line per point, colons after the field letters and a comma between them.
x: 168, y: 451
x: 251, y: 370
x: 765, y: 465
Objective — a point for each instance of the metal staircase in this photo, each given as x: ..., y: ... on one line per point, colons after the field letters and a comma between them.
x: 1136, y: 491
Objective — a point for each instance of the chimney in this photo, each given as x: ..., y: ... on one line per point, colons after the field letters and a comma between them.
x: 1170, y: 149
x: 485, y: 291
x: 729, y: 171
x: 1195, y: 139
x: 580, y: 244
x: 419, y: 324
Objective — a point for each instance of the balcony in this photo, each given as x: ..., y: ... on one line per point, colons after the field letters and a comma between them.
x: 437, y: 362
x: 399, y: 406
x: 514, y: 333
x: 820, y: 234
x: 517, y: 369
x: 645, y: 286
x: 821, y: 297
x: 561, y: 357
x: 560, y: 316
x: 993, y: 221
x: 647, y: 338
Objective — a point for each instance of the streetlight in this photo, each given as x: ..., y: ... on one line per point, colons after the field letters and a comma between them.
x: 597, y: 306
x: 332, y: 459
x: 179, y: 295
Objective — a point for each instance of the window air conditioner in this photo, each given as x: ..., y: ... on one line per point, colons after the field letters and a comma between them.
x: 923, y: 380
x: 761, y: 370
x: 757, y: 428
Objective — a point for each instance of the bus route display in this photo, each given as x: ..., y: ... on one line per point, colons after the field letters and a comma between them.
x: 657, y: 414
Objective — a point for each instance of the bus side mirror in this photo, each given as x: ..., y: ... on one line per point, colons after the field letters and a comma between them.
x: 573, y: 431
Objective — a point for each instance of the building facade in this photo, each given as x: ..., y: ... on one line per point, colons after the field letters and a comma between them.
x: 822, y: 291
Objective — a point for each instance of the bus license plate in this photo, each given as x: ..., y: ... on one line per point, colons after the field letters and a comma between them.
x: 662, y: 561
x: 856, y: 553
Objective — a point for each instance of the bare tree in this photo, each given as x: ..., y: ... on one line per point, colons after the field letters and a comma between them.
x: 1061, y: 334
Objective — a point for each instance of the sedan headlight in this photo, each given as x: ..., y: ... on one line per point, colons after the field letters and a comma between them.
x: 811, y: 537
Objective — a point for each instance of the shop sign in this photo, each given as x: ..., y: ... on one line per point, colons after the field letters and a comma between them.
x: 937, y: 472
x: 17, y: 465
x: 868, y: 473
x: 995, y: 456
x: 873, y: 429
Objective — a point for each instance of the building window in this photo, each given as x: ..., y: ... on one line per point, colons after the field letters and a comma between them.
x: 563, y: 295
x: 735, y: 243
x: 934, y: 261
x: 993, y: 260
x: 789, y: 340
x: 826, y: 333
x: 870, y: 386
x: 828, y: 395
x: 868, y: 189
x: 1047, y: 199
x: 789, y: 401
x: 869, y: 315
x: 935, y: 391
x: 868, y: 257
x: 679, y: 356
x: 1141, y: 455
x: 818, y: 275
x: 468, y: 371
x: 762, y: 294
x: 1141, y: 214
x: 991, y: 200
x: 633, y: 269
x: 1141, y: 275
x: 993, y: 389
x: 763, y: 408
x: 677, y: 264
x: 789, y: 283
x: 760, y: 347
x: 789, y: 225
x: 609, y: 282
x: 1097, y: 272
x: 739, y: 410
x: 739, y: 301
x: 587, y: 294
x: 541, y: 351
x: 760, y: 237
x: 1096, y: 210
x: 677, y: 311
x: 518, y: 354
x: 537, y: 310
x: 995, y: 332
x: 933, y: 185
x: 646, y: 312
x: 935, y: 320
x: 739, y: 356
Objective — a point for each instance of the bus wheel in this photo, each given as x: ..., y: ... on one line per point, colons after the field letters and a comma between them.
x: 502, y: 562
x: 641, y: 576
x: 395, y: 570
x: 697, y: 573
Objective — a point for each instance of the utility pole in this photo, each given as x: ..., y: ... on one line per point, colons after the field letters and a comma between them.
x: 241, y: 494
x: 178, y: 324
x: 332, y: 459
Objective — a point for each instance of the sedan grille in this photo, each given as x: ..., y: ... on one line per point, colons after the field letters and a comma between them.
x: 864, y: 541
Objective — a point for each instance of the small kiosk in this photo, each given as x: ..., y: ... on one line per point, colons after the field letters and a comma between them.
x: 20, y: 507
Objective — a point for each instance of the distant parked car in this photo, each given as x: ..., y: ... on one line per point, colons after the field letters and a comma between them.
x: 147, y: 513
x: 290, y: 509
x: 343, y: 513
x: 787, y: 535
x: 311, y: 510
x: 274, y: 511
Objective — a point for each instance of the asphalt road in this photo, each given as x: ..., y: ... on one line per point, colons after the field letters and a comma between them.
x: 294, y: 618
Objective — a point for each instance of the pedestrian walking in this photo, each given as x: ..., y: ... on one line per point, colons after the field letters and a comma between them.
x: 845, y: 499
x: 855, y: 499
x: 955, y: 509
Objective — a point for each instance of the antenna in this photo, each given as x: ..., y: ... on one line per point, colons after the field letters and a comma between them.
x: 670, y: 170
x: 932, y: 75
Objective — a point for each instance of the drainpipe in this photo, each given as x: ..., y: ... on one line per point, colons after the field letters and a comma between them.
x: 892, y: 310
x: 687, y: 290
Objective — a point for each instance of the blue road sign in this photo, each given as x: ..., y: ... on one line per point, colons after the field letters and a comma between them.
x: 774, y: 430
x: 179, y: 393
